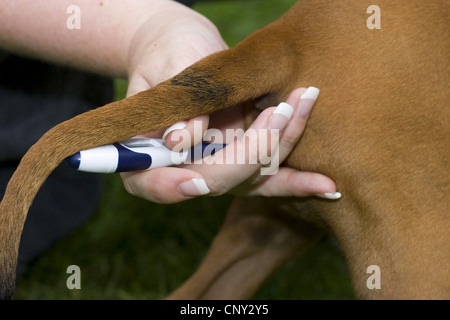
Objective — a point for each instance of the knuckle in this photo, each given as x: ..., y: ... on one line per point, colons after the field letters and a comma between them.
x: 217, y: 187
x: 289, y: 141
x: 252, y: 148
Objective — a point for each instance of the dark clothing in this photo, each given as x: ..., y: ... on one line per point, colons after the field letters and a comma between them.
x: 34, y: 97
x: 187, y: 2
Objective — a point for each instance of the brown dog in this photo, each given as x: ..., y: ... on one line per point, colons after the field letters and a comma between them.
x: 380, y: 129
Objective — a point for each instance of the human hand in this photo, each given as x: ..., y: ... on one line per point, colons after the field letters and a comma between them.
x: 162, y: 48
x: 167, y: 43
x: 169, y: 185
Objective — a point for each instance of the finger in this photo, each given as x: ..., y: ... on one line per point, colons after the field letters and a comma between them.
x: 303, y: 102
x: 242, y: 158
x: 186, y: 133
x: 165, y: 185
x: 290, y: 182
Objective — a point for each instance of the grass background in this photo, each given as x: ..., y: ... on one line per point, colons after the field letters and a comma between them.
x: 134, y: 249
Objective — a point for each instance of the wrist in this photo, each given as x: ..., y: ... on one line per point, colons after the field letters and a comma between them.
x: 163, y: 47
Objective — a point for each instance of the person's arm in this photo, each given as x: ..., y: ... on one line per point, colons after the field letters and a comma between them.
x: 102, y: 44
x: 148, y: 42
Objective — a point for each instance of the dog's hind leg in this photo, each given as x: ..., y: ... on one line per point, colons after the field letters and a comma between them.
x: 255, y: 239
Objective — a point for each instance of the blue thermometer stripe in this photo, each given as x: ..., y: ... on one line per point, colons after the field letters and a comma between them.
x: 207, y: 149
x: 132, y: 161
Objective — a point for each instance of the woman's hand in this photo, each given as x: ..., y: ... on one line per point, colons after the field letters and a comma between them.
x: 166, y: 44
x: 170, y: 185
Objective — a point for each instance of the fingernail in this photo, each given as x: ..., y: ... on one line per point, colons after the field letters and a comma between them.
x: 176, y: 126
x: 194, y: 187
x: 281, y: 116
x: 307, y: 101
x: 330, y: 196
x: 311, y: 93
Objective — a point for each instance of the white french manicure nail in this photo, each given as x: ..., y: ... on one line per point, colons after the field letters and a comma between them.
x: 194, y: 187
x: 176, y: 126
x: 330, y: 196
x: 284, y: 109
x: 307, y: 101
x: 311, y: 93
x: 280, y: 116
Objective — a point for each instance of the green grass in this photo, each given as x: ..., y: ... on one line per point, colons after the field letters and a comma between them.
x: 134, y: 249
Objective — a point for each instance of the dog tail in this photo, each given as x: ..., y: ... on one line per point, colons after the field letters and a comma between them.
x: 245, y: 72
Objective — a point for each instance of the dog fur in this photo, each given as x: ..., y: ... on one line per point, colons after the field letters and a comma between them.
x: 380, y: 129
